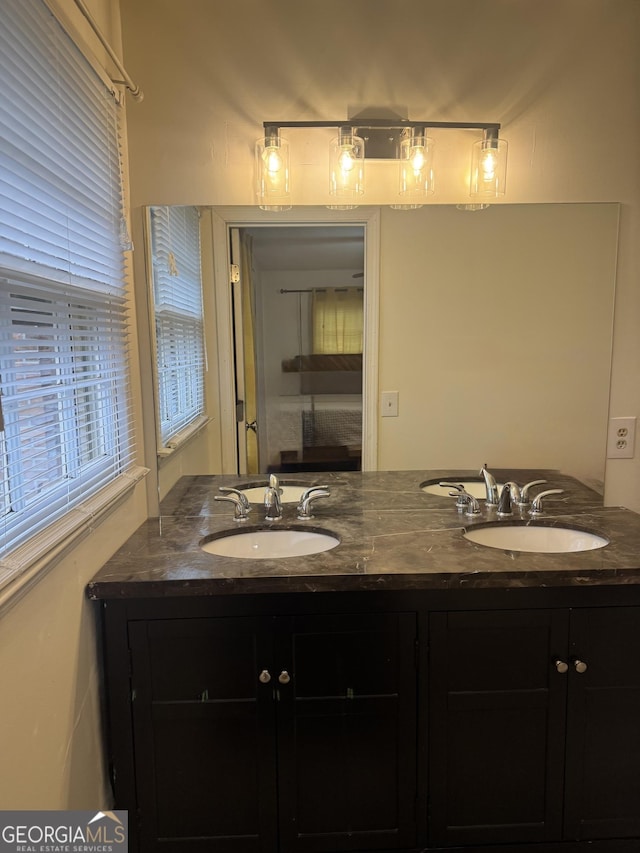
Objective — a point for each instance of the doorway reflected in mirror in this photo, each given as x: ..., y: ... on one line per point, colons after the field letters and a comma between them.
x: 307, y: 289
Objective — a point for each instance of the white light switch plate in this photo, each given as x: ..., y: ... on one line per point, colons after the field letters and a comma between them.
x: 389, y: 404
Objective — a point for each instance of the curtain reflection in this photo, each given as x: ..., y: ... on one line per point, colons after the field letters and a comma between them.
x: 337, y: 320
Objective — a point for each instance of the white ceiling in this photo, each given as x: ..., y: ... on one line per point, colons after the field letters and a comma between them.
x: 308, y: 247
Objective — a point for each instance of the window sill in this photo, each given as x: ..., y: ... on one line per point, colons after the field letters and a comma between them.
x: 25, y: 565
x: 180, y: 438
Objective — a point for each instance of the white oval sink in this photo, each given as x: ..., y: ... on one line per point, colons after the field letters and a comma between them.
x: 540, y: 540
x: 288, y: 494
x: 475, y: 488
x: 269, y: 544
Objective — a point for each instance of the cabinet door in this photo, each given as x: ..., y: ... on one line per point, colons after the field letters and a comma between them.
x: 496, y: 720
x: 603, y: 730
x: 203, y: 735
x: 347, y: 733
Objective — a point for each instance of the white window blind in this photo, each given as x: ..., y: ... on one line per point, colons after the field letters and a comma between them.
x: 65, y: 420
x: 179, y: 328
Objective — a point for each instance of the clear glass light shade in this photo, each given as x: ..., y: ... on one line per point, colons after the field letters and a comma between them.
x: 272, y: 173
x: 415, y: 170
x: 346, y: 170
x: 488, y: 168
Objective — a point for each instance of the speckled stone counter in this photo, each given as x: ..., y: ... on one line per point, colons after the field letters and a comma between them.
x: 393, y: 537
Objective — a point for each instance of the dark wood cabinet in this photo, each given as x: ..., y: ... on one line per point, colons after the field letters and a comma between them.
x: 413, y: 722
x: 534, y: 726
x: 203, y: 741
x: 603, y: 725
x: 289, y: 733
x: 347, y: 733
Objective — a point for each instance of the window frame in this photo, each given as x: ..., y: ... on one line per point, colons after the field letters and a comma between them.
x: 85, y: 283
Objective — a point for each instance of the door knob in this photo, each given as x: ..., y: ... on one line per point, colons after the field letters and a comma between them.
x: 284, y: 677
x: 265, y: 676
x: 580, y: 665
x: 562, y: 666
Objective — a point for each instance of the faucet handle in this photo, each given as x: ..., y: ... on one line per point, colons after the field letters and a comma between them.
x: 524, y: 492
x: 244, y: 500
x: 471, y: 505
x: 241, y: 511
x: 310, y: 490
x: 309, y: 495
x: 536, y: 506
x: 459, y: 493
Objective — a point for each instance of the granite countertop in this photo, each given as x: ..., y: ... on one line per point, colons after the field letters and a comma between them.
x: 393, y: 536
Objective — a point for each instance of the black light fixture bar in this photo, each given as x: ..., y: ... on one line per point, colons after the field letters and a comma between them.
x: 382, y: 136
x: 382, y: 123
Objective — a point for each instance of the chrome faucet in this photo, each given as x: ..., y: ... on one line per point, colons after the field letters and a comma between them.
x: 242, y: 507
x: 507, y: 498
x: 536, y: 505
x: 524, y: 492
x: 458, y: 492
x: 274, y: 483
x: 309, y: 495
x: 490, y: 485
x: 468, y: 503
x: 272, y: 503
x: 242, y: 498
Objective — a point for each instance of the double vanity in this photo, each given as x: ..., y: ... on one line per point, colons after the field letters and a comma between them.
x: 407, y: 687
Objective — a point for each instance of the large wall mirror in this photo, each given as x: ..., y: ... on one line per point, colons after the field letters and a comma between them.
x: 494, y: 327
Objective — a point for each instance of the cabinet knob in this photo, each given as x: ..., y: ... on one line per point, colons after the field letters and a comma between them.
x: 265, y: 676
x: 562, y: 666
x: 284, y: 677
x: 580, y: 665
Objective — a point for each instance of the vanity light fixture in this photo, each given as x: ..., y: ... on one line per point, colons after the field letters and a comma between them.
x: 272, y: 171
x: 346, y: 169
x: 488, y: 166
x: 415, y: 172
x: 398, y: 139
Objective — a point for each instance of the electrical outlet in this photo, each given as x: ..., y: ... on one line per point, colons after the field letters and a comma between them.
x: 389, y: 404
x: 621, y: 439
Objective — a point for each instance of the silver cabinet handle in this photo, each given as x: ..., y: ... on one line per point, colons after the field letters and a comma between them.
x: 562, y: 666
x: 264, y: 677
x: 284, y: 677
x: 580, y: 665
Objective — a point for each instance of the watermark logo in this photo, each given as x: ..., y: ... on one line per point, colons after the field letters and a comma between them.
x: 63, y: 832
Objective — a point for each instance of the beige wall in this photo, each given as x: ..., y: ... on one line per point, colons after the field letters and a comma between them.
x: 560, y: 75
x: 50, y: 714
x: 506, y: 337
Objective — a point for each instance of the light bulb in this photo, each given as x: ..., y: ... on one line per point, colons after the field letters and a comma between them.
x: 488, y: 168
x: 346, y: 168
x: 272, y: 159
x: 488, y: 164
x: 272, y: 173
x: 346, y: 160
x: 417, y: 158
x: 415, y: 174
